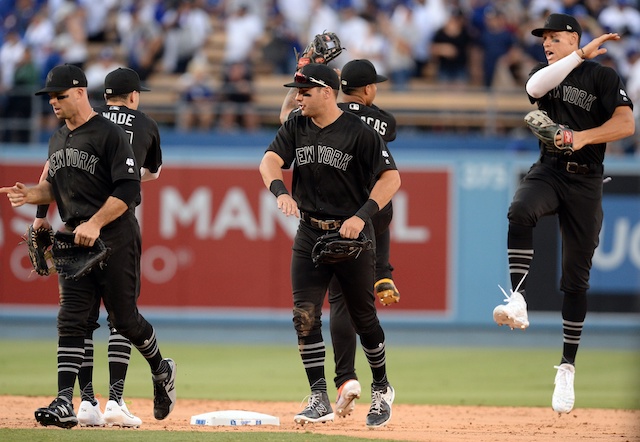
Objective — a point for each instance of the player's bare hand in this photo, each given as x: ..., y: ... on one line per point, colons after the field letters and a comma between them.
x: 86, y: 234
x: 352, y: 227
x: 593, y: 49
x: 41, y: 222
x: 288, y: 205
x: 17, y: 194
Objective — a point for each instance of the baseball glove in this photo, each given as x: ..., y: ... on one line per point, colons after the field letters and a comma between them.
x: 547, y: 130
x: 73, y: 261
x: 39, y: 242
x: 322, y: 49
x: 386, y: 291
x: 331, y: 248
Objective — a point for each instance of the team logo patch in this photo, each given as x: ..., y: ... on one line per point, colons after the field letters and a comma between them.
x: 130, y: 162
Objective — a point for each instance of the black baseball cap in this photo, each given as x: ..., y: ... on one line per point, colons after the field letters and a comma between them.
x: 559, y: 22
x: 122, y: 81
x: 315, y: 75
x: 358, y: 73
x: 63, y: 77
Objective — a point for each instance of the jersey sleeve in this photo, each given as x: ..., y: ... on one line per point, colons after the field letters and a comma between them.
x: 122, y: 160
x: 613, y: 92
x: 284, y: 142
x: 153, y: 159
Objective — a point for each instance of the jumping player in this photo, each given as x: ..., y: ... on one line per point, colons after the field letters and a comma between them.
x: 122, y: 94
x: 590, y: 99
x: 358, y: 81
x: 337, y: 157
x: 95, y: 197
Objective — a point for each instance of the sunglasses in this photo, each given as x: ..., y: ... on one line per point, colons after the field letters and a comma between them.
x: 301, y: 78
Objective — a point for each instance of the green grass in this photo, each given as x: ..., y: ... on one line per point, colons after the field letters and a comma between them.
x: 420, y: 375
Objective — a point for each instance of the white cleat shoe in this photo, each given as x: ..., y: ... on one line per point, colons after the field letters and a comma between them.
x: 513, y: 313
x: 318, y: 409
x: 89, y: 415
x: 563, y: 394
x: 119, y: 415
x: 348, y: 392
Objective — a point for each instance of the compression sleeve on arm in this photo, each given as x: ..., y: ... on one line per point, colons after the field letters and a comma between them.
x: 550, y: 76
x: 127, y: 191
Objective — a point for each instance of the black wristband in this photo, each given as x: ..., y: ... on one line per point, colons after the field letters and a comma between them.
x: 369, y: 209
x: 41, y: 211
x: 278, y: 188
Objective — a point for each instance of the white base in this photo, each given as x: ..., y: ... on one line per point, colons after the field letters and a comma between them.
x: 234, y: 418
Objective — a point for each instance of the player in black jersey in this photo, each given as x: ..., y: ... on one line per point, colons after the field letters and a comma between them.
x: 94, y: 179
x: 122, y: 90
x: 358, y: 81
x: 336, y: 158
x: 590, y: 99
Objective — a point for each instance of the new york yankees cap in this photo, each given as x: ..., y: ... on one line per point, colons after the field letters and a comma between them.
x: 122, y: 81
x: 559, y: 22
x: 63, y: 77
x: 360, y: 72
x: 315, y: 75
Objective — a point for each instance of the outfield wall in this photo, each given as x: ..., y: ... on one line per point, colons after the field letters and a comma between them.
x: 213, y: 239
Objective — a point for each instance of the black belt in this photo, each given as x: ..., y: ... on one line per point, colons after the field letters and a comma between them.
x: 571, y: 166
x: 323, y: 224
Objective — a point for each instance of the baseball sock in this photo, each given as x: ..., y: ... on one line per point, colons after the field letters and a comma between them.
x: 373, y: 345
x: 70, y: 357
x: 519, y: 253
x: 574, y: 311
x: 85, y: 374
x: 313, y: 352
x: 148, y: 348
x: 119, y: 353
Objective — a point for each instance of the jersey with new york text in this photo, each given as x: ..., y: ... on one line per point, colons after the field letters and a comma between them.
x: 585, y: 99
x: 334, y: 165
x: 85, y: 164
x: 142, y: 132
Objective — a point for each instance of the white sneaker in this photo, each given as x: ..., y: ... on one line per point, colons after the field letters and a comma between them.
x: 563, y: 394
x: 119, y: 415
x: 348, y: 392
x: 513, y: 313
x: 89, y: 415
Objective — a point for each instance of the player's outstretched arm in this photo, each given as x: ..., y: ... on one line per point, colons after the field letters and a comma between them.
x: 20, y: 194
x: 593, y: 49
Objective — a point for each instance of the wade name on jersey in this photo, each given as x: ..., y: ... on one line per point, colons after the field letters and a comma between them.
x: 120, y: 118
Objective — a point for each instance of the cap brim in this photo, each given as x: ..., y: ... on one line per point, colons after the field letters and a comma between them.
x: 144, y: 89
x: 380, y: 78
x: 46, y: 90
x: 302, y: 85
x: 538, y: 32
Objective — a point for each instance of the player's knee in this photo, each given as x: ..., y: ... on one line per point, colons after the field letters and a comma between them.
x: 304, y: 318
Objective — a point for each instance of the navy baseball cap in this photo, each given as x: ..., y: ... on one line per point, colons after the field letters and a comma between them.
x: 315, y: 75
x: 122, y: 81
x: 559, y: 22
x: 63, y: 77
x: 360, y: 72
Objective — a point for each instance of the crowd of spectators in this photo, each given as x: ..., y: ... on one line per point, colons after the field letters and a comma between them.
x: 459, y: 43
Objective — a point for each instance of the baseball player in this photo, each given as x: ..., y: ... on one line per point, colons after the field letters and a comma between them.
x: 94, y: 179
x: 122, y: 90
x: 337, y: 157
x: 591, y: 100
x: 358, y: 82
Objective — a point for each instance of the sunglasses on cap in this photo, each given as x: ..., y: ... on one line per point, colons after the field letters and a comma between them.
x: 301, y: 78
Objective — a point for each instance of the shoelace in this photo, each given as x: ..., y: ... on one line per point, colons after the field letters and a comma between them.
x: 312, y: 400
x: 508, y: 298
x: 376, y: 402
x: 565, y: 376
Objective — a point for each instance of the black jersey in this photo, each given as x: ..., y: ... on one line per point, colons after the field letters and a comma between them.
x: 142, y: 132
x: 84, y: 165
x: 382, y: 121
x: 585, y: 99
x: 333, y: 165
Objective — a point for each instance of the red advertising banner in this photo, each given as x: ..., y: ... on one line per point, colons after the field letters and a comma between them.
x: 213, y: 237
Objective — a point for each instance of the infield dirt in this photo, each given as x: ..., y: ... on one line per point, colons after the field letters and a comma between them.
x: 409, y: 422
